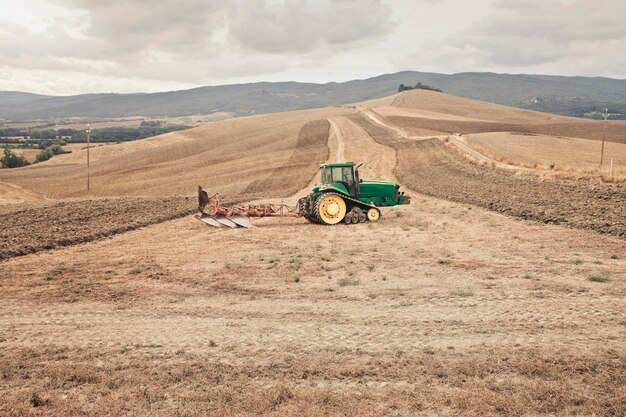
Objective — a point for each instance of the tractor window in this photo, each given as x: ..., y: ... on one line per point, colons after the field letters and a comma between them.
x: 346, y: 175
x: 337, y: 174
x: 326, y: 176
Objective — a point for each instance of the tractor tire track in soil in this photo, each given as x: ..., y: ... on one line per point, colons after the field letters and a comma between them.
x: 429, y: 168
x: 29, y: 228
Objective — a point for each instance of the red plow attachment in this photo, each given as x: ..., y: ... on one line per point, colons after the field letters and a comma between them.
x: 215, y: 215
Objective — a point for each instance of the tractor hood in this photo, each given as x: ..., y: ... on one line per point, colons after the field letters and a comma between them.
x: 378, y: 188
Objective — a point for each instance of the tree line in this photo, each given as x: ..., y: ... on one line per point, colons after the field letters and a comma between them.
x: 108, y: 134
x: 50, y: 141
x: 11, y: 159
x: 418, y: 86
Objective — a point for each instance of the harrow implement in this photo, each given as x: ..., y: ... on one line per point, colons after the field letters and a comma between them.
x: 215, y: 215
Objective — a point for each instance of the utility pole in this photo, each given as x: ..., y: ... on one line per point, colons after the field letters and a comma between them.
x: 606, y: 116
x: 88, y: 145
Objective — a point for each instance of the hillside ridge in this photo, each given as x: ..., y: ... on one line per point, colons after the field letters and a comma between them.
x: 569, y: 96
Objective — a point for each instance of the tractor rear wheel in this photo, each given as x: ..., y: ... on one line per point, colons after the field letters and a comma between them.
x: 330, y: 208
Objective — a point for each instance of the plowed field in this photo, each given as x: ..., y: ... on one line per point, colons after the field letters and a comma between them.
x: 32, y: 228
x: 440, y: 308
x: 428, y: 167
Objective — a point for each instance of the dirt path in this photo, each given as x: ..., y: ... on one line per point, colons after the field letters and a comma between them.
x: 429, y: 168
x: 378, y: 160
x: 336, y: 143
x: 456, y: 141
x: 374, y: 118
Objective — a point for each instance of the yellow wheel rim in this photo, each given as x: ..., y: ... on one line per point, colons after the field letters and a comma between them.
x: 373, y: 214
x: 332, y: 209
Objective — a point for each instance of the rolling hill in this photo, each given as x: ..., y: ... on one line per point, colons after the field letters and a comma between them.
x: 571, y: 96
x: 120, y: 300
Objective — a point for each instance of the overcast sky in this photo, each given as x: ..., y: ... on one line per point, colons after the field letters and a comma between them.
x: 82, y: 46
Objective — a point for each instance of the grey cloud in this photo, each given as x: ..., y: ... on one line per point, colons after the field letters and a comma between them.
x: 192, y: 39
x: 538, y: 32
x: 302, y: 26
x: 134, y: 26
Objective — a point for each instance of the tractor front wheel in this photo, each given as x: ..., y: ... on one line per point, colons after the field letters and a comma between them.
x: 373, y: 214
x: 330, y: 208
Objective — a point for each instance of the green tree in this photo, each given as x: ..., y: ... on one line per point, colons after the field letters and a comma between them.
x: 44, y: 155
x: 12, y: 160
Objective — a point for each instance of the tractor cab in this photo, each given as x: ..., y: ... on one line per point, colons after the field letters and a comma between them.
x: 346, y: 173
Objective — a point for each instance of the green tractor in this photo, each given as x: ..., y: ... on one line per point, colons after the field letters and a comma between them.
x: 343, y: 196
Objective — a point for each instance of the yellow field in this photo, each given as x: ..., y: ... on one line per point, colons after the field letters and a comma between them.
x: 72, y: 147
x: 29, y: 154
x: 550, y: 151
x: 227, y: 155
x: 13, y: 194
x: 80, y: 123
x: 491, y: 294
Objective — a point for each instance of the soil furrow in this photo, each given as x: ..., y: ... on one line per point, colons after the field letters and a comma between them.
x: 429, y: 168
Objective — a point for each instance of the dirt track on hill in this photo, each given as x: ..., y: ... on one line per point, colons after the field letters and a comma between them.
x: 429, y: 168
x: 590, y: 130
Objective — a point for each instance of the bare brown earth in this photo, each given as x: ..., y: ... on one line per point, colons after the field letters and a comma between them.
x: 33, y: 228
x: 428, y: 167
x: 440, y: 308
x: 28, y: 229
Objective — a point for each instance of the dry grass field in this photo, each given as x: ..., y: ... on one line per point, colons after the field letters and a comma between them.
x: 81, y: 123
x: 550, y: 152
x: 226, y: 155
x: 29, y: 154
x: 443, y: 307
x: 13, y: 194
x: 77, y: 146
x: 421, y: 111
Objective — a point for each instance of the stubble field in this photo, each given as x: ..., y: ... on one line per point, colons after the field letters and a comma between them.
x: 440, y: 308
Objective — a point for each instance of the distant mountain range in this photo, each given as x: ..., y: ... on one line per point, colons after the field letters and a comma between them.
x: 570, y: 96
